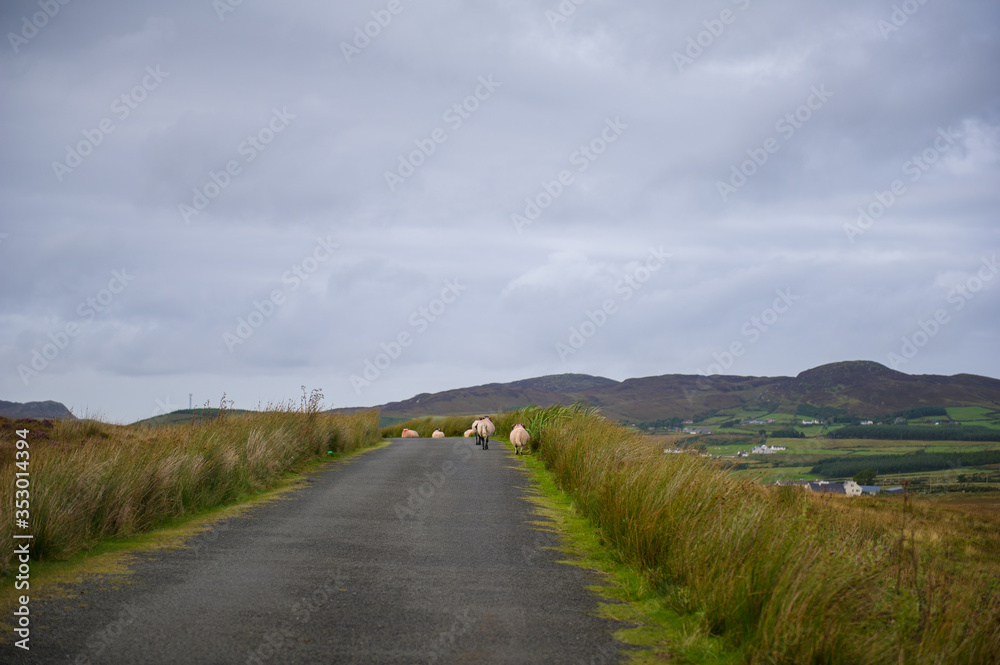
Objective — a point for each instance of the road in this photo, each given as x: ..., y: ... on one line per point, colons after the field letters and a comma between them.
x: 419, y: 552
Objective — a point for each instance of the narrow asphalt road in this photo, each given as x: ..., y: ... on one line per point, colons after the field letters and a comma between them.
x: 419, y: 552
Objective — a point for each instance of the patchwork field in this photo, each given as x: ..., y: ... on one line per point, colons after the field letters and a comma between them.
x: 801, y: 456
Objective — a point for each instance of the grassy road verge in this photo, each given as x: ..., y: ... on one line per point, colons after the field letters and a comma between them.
x: 776, y: 574
x: 99, y: 489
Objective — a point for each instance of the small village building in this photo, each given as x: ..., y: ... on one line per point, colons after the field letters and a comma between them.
x: 846, y: 488
x: 765, y: 449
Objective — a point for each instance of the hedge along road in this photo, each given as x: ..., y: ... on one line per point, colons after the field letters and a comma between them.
x: 418, y: 552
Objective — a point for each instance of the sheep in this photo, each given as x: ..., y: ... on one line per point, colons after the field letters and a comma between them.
x: 519, y: 437
x: 410, y: 434
x: 484, y: 430
x: 475, y: 430
x: 438, y: 434
x: 468, y: 433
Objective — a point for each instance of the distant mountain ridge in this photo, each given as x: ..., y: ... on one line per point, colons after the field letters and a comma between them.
x: 50, y: 410
x: 862, y: 388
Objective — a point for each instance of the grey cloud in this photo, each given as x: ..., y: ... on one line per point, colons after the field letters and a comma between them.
x: 324, y: 175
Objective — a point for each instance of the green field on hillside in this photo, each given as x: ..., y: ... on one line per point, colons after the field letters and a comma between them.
x: 189, y: 416
x: 973, y: 421
x: 803, y: 455
x: 975, y: 415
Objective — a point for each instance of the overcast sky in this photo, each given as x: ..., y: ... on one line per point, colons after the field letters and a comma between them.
x: 390, y: 197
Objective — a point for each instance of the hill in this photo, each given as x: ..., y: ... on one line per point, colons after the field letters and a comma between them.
x: 185, y: 417
x: 860, y: 388
x: 496, y: 397
x: 41, y: 410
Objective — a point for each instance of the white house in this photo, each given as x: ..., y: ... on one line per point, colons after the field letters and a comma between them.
x: 846, y: 488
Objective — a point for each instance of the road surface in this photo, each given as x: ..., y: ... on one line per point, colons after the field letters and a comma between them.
x: 418, y: 552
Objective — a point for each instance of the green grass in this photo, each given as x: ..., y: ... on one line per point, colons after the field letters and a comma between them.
x: 188, y: 416
x: 92, y: 481
x: 974, y: 415
x: 450, y: 425
x: 777, y: 574
x: 659, y: 632
x: 535, y: 419
x: 774, y: 474
x: 388, y: 421
x: 805, y: 453
x: 715, y: 566
x: 965, y: 415
x: 111, y: 558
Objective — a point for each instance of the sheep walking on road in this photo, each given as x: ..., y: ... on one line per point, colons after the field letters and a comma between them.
x: 484, y: 430
x: 410, y: 434
x: 475, y: 430
x: 519, y: 437
x: 438, y: 434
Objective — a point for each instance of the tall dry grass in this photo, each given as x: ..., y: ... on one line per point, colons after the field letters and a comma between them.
x: 785, y: 576
x: 91, y: 480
